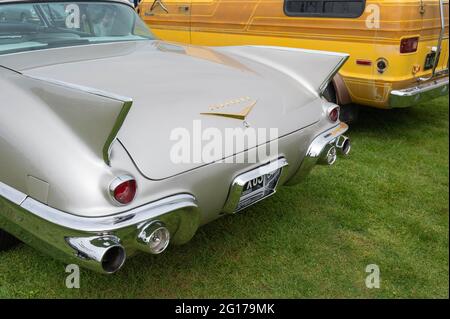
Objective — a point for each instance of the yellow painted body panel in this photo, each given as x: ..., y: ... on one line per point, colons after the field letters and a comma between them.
x: 263, y: 22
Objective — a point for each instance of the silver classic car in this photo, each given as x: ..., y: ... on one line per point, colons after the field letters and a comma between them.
x: 113, y: 142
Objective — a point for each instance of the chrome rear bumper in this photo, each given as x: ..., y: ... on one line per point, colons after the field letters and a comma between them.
x: 420, y: 93
x: 97, y: 243
x: 318, y: 150
x: 103, y: 243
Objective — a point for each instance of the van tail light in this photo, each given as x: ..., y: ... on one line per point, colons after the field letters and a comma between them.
x: 409, y: 45
x: 123, y: 189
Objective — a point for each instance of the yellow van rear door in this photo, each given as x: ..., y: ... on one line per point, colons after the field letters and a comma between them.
x: 168, y: 19
x: 432, y: 28
x: 426, y: 16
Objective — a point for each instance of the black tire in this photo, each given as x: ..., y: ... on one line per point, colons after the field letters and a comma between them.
x: 7, y: 241
x: 349, y: 113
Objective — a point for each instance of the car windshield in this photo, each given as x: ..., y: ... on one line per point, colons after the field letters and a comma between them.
x: 42, y: 25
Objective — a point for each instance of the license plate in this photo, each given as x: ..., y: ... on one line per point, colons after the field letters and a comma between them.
x: 258, y: 188
x: 429, y: 60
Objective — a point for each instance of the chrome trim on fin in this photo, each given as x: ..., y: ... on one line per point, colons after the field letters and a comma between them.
x: 12, y: 194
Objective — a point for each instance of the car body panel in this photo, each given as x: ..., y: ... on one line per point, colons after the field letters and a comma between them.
x: 282, y: 95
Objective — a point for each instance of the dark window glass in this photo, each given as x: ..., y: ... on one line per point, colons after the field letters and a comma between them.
x: 325, y: 8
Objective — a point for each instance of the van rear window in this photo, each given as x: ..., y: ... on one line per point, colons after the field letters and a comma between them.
x: 324, y: 8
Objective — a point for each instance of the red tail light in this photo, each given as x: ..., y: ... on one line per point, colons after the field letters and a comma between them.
x: 123, y: 189
x: 333, y: 113
x: 409, y: 45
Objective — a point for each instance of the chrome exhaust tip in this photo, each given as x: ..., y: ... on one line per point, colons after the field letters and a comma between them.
x: 153, y: 237
x: 107, y: 254
x: 344, y: 145
x: 113, y: 259
x: 328, y: 155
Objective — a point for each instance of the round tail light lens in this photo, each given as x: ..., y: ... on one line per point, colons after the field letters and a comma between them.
x: 333, y: 114
x: 123, y: 189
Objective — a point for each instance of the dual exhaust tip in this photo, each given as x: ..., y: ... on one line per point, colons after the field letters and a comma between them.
x: 104, y: 253
x: 341, y: 145
x: 107, y: 255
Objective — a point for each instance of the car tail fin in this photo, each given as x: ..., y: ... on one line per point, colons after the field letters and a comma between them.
x: 92, y: 115
x: 114, y: 110
x: 313, y: 69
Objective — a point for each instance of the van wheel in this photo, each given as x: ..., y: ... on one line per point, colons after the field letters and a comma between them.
x: 7, y: 241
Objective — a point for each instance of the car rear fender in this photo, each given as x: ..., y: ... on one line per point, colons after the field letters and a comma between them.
x: 312, y: 69
x: 92, y: 115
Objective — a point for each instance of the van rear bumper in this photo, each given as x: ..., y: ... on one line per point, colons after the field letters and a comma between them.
x: 423, y: 92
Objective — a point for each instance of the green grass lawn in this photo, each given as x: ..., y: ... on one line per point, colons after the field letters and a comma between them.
x: 386, y: 204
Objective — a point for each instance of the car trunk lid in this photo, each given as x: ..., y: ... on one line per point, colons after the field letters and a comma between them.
x: 179, y: 88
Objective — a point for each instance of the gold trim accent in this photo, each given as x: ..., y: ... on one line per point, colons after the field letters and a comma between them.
x: 238, y: 116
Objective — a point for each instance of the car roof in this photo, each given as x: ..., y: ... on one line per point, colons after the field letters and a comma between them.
x: 25, y: 1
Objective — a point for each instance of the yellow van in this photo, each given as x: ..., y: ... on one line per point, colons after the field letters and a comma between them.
x: 393, y: 44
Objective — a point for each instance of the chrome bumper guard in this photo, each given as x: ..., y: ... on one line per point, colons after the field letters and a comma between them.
x: 232, y: 204
x: 318, y: 150
x: 420, y: 93
x: 98, y: 243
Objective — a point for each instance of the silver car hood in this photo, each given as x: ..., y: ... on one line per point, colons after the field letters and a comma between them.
x: 171, y: 86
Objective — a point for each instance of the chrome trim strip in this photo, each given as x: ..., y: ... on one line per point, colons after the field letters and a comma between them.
x: 423, y: 92
x: 81, y: 88
x: 239, y: 182
x: 12, y: 194
x: 109, y: 223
